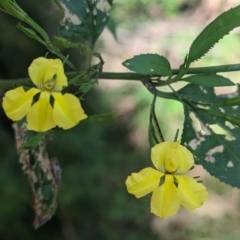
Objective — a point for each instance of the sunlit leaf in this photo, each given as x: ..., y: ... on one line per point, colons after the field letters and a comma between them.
x: 216, y: 30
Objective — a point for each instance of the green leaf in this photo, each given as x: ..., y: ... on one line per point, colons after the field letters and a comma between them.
x: 83, y: 19
x: 208, y: 80
x: 34, y: 140
x: 61, y: 42
x: 149, y: 64
x: 216, y: 30
x: 85, y: 87
x: 104, y: 117
x: 235, y: 101
x: 112, y: 28
x: 217, y: 152
x: 29, y: 32
x: 227, y: 117
x: 202, y: 95
x: 78, y: 79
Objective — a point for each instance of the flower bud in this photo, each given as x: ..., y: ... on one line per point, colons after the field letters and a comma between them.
x: 171, y: 157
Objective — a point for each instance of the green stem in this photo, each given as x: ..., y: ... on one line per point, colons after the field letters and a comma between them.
x: 13, y: 83
x: 88, y: 60
x: 213, y: 69
x: 10, y: 83
x: 202, y: 70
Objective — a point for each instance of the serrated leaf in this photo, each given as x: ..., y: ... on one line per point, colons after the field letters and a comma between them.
x: 208, y: 80
x: 83, y: 19
x: 216, y: 30
x: 149, y: 64
x: 218, y: 153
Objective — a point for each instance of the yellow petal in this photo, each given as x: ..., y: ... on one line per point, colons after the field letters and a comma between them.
x: 17, y: 102
x: 67, y: 110
x: 165, y: 200
x: 172, y: 157
x: 185, y: 158
x: 40, y: 116
x: 48, y: 74
x: 35, y: 70
x: 143, y: 182
x: 193, y: 194
x: 159, y: 154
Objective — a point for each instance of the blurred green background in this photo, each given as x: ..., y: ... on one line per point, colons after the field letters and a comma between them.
x: 96, y: 158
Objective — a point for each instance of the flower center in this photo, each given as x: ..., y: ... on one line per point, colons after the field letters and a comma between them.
x: 49, y: 85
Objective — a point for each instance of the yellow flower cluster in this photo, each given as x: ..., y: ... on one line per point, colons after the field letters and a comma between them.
x: 65, y: 111
x: 45, y: 107
x: 169, y: 188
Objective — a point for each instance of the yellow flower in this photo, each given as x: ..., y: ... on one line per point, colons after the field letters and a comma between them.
x: 45, y: 107
x: 170, y: 189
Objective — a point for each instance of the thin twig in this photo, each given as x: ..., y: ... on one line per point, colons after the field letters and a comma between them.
x: 147, y: 83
